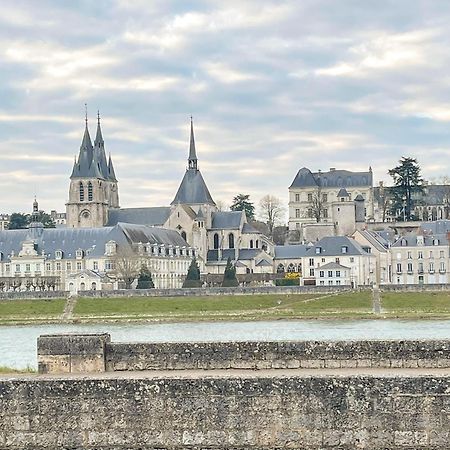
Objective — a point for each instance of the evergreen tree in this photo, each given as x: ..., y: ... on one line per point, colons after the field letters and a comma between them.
x: 193, y: 276
x: 242, y: 203
x: 408, y: 185
x: 145, y: 279
x: 229, y: 276
x: 18, y: 221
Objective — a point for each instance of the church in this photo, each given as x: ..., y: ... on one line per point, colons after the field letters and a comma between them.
x: 215, y: 235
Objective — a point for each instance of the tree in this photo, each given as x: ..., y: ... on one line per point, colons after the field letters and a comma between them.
x: 242, y: 203
x: 317, y: 203
x: 271, y: 211
x: 127, y: 266
x: 229, y: 276
x: 193, y: 276
x: 145, y: 279
x: 279, y: 234
x: 407, y: 183
x: 18, y: 221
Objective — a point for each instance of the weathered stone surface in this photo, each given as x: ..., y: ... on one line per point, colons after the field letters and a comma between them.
x: 132, y: 411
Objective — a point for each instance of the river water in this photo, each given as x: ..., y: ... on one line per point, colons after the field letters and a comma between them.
x: 18, y: 343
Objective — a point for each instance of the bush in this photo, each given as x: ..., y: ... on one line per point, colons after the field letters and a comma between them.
x: 145, y: 279
x: 287, y: 282
x: 193, y: 276
x: 229, y: 276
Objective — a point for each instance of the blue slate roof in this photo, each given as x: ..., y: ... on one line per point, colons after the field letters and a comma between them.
x: 332, y: 178
x: 291, y: 251
x: 193, y: 190
x: 154, y: 216
x: 332, y: 246
x: 226, y: 220
x: 91, y: 240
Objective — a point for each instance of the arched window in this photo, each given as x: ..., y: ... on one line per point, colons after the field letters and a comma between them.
x: 291, y: 268
x: 280, y: 268
x: 257, y: 243
x: 94, y: 286
x: 90, y: 192
x: 183, y: 235
x: 82, y: 287
x: 251, y: 243
x: 81, y: 192
x: 231, y: 240
x: 216, y: 241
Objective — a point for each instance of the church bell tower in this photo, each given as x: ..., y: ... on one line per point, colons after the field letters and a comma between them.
x: 93, y: 184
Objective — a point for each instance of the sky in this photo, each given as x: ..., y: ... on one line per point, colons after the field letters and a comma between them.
x: 272, y: 86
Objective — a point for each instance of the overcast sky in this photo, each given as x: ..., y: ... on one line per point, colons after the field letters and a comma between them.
x: 273, y: 86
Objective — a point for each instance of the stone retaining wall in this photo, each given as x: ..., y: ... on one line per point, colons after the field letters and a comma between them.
x: 96, y: 353
x: 35, y: 295
x: 241, y: 412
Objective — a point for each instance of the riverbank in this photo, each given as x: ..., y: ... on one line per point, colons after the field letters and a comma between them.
x: 344, y: 305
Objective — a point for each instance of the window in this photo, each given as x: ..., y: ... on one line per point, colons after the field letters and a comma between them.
x: 322, y: 283
x: 81, y: 189
x: 324, y: 198
x: 344, y: 249
x: 442, y: 267
x: 352, y: 259
x: 431, y: 266
x: 58, y: 254
x: 27, y: 268
x: 297, y: 197
x: 231, y: 240
x: 94, y: 286
x: 321, y: 274
x: 323, y: 260
x: 257, y: 243
x: 297, y: 213
x: 311, y: 261
x: 330, y: 274
x: 79, y: 265
x: 410, y: 267
x: 409, y: 255
x: 399, y: 268
x: 48, y: 267
x: 325, y: 213
x: 338, y: 273
x: 90, y: 192
x: 310, y: 197
x: 318, y: 250
x: 69, y: 266
x: 291, y: 268
x: 420, y: 267
x: 17, y: 267
x: 420, y: 255
x: 251, y: 243
x: 58, y: 266
x: 441, y: 254
x: 183, y: 235
x: 280, y: 268
x: 7, y: 268
x: 310, y: 212
x: 431, y: 254
x: 38, y: 267
x: 216, y: 241
x: 337, y: 260
x: 330, y: 282
x: 311, y: 272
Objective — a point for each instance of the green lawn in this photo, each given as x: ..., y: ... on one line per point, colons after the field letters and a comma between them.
x: 7, y: 370
x: 11, y: 310
x: 410, y: 304
x: 191, y: 306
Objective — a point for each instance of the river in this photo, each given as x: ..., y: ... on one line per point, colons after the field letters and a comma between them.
x: 18, y: 343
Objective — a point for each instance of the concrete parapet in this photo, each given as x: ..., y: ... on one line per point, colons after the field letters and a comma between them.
x: 72, y: 353
x: 96, y: 353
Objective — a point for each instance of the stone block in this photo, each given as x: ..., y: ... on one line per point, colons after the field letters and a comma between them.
x: 332, y: 363
x: 312, y: 364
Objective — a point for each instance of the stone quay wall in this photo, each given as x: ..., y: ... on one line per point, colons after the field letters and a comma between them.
x: 72, y: 353
x: 225, y: 412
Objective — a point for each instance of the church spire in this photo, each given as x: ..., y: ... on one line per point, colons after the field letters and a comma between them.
x: 99, y: 137
x: 192, y: 161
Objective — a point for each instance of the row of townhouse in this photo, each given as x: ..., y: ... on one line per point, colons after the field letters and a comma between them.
x: 332, y: 261
x: 370, y: 257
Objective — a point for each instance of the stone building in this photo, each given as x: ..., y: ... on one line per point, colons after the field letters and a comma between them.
x: 74, y: 259
x: 216, y: 235
x: 329, y: 203
x: 4, y: 221
x: 93, y: 190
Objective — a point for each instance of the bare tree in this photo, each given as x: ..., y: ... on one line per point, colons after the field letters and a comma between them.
x: 271, y: 211
x: 221, y: 205
x: 317, y: 203
x: 127, y: 265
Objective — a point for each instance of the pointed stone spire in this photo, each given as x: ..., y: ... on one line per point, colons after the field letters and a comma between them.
x: 111, y: 173
x: 192, y: 161
x: 99, y: 149
x: 99, y: 137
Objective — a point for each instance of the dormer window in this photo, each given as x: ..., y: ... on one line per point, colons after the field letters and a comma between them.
x: 110, y: 248
x: 344, y: 249
x: 79, y: 254
x: 435, y: 241
x: 318, y: 250
x: 58, y: 254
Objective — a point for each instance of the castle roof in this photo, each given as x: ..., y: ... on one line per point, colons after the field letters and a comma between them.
x: 332, y: 178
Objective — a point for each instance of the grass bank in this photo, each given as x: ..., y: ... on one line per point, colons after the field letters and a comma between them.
x: 4, y: 370
x: 345, y: 305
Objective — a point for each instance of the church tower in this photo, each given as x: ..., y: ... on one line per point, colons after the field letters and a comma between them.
x: 93, y: 184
